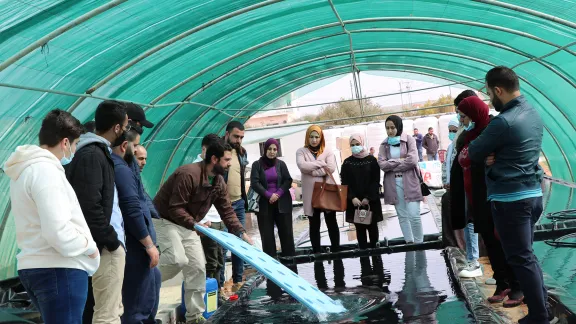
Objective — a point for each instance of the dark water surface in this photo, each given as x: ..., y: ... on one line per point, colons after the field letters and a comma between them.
x: 411, y: 287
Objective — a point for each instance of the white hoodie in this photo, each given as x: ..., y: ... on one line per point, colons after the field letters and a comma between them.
x: 51, y: 231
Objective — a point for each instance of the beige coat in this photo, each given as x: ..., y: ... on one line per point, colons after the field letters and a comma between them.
x: 312, y: 170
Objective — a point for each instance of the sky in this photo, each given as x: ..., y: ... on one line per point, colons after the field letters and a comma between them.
x: 374, y: 84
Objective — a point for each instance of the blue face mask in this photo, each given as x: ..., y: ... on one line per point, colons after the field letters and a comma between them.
x: 470, y: 126
x: 66, y: 160
x: 357, y: 149
x: 451, y: 136
x: 394, y: 140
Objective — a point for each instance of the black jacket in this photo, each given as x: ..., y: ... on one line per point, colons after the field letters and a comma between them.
x: 91, y: 174
x: 362, y: 176
x: 259, y: 184
x: 481, y: 212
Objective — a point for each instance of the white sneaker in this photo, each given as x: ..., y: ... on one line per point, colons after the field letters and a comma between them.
x: 471, y: 271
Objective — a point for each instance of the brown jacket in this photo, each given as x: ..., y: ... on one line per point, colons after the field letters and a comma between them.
x: 186, y: 197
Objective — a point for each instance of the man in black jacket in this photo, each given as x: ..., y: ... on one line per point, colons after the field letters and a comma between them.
x: 91, y: 174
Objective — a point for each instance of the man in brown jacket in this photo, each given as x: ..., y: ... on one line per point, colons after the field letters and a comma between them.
x: 431, y: 144
x: 182, y: 202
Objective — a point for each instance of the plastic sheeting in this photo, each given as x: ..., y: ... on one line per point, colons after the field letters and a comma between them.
x: 241, y: 55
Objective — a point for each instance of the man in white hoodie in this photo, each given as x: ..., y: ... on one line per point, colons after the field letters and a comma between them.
x: 57, y: 252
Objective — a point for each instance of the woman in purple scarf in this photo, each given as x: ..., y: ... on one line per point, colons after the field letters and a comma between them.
x: 272, y: 181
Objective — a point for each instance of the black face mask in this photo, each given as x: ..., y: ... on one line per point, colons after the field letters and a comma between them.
x: 497, y: 103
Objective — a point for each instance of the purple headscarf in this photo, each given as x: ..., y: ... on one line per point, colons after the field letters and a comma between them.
x: 264, y: 160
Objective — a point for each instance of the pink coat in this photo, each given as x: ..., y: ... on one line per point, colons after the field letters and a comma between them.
x: 312, y: 170
x: 406, y: 165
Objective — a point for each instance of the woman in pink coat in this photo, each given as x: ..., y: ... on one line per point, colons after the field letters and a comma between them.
x: 313, y: 159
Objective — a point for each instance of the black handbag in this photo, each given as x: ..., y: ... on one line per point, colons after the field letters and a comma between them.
x: 423, y: 186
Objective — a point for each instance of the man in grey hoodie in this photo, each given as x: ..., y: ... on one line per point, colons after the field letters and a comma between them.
x: 91, y: 175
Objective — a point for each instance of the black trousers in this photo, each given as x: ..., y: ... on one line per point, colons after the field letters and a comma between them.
x: 515, y: 224
x: 284, y: 224
x: 372, y: 230
x: 333, y: 229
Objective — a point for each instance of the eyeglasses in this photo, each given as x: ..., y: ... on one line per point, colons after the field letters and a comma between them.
x: 128, y: 128
x: 453, y: 131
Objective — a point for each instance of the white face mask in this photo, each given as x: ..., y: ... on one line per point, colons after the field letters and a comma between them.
x: 66, y: 160
x: 357, y: 149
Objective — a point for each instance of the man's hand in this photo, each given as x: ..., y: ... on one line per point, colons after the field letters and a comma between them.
x: 154, y: 256
x: 365, y: 202
x: 207, y: 225
x: 356, y: 202
x: 490, y: 159
x: 247, y: 239
x: 94, y: 255
x: 274, y: 198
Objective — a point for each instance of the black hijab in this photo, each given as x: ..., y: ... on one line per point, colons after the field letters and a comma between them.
x: 397, y: 123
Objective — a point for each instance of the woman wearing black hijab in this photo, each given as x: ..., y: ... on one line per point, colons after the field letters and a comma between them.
x: 398, y: 158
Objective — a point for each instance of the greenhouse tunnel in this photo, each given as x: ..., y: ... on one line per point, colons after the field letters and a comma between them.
x: 196, y: 65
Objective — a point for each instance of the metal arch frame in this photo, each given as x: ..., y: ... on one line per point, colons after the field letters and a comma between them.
x: 59, y: 31
x: 319, y: 72
x: 529, y: 12
x: 355, y: 21
x: 167, y: 43
x: 407, y: 50
x: 355, y: 70
x: 367, y: 64
x: 399, y: 30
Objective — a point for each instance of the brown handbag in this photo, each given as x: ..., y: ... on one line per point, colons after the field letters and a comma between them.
x: 327, y: 196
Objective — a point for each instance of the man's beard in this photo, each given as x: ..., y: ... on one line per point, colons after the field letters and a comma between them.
x: 218, y: 169
x: 235, y: 146
x: 497, y: 103
x: 129, y: 157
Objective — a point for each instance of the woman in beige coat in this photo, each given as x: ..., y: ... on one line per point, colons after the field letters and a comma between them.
x: 313, y: 159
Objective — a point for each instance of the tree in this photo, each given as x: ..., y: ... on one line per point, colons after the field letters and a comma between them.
x: 443, y: 100
x: 347, y: 109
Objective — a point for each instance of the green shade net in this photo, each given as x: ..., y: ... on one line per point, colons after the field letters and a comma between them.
x: 240, y: 56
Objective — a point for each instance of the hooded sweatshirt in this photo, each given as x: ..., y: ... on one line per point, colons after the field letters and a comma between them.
x: 51, y: 231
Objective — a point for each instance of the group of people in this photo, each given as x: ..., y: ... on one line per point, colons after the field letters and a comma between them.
x: 493, y: 181
x: 94, y: 247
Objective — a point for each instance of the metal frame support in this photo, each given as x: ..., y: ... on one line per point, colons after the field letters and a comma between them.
x: 59, y: 31
x: 355, y: 70
x: 167, y: 43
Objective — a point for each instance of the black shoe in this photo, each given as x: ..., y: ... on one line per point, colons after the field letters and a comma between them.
x: 551, y: 318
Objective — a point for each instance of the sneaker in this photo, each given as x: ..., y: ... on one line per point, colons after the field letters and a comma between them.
x: 471, y: 271
x: 499, y: 295
x: 491, y: 282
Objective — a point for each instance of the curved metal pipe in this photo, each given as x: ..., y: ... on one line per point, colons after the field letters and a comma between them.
x: 401, y: 30
x: 529, y: 12
x: 224, y: 124
x: 363, y: 20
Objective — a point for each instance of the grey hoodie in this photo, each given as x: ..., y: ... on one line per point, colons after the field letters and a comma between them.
x: 90, y: 138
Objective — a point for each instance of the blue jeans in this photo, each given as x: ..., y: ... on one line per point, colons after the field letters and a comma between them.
x: 420, y: 157
x: 515, y: 225
x: 58, y: 293
x: 432, y: 157
x: 408, y: 216
x: 237, y: 263
x: 471, y: 239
